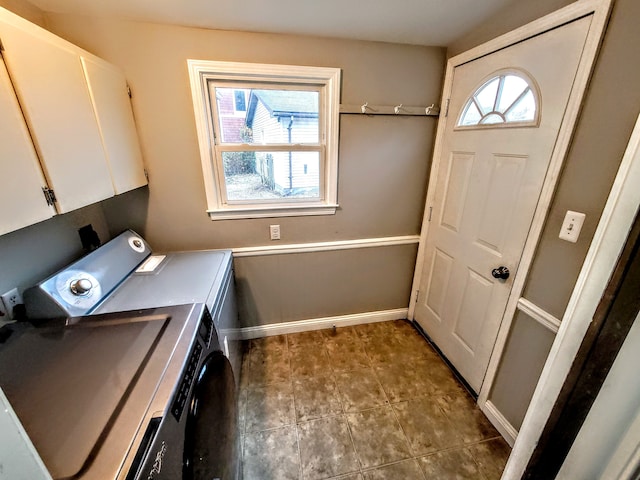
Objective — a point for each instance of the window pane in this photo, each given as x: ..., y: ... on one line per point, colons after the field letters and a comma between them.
x: 270, y: 116
x: 512, y: 88
x: 486, y: 97
x: 524, y: 110
x: 271, y: 175
x: 471, y: 115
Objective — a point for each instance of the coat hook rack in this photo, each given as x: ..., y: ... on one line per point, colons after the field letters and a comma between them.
x: 366, y: 109
x: 430, y: 108
x: 401, y: 109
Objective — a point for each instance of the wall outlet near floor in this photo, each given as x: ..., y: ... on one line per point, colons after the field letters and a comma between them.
x: 11, y: 299
x: 274, y: 231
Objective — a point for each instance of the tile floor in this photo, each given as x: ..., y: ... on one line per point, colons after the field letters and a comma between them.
x: 367, y: 402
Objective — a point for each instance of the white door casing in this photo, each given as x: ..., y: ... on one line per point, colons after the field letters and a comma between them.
x: 616, y: 221
x: 486, y: 192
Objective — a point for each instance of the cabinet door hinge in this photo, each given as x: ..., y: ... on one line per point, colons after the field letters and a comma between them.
x: 49, y: 195
x: 129, y: 91
x: 446, y: 108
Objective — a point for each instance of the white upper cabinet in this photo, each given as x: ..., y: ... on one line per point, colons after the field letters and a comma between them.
x: 108, y: 89
x: 22, y: 201
x: 77, y: 112
x: 53, y: 93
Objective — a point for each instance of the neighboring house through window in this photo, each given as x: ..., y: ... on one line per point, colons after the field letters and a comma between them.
x: 240, y: 100
x: 268, y: 138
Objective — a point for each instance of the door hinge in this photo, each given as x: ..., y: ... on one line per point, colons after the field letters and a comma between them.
x: 129, y: 91
x: 446, y: 108
x: 1, y: 46
x: 49, y: 195
x: 417, y: 295
x: 430, y: 212
x: 146, y: 174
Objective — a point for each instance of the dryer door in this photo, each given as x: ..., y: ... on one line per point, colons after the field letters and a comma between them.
x: 211, y: 436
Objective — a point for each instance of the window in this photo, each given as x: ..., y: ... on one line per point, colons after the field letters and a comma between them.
x: 268, y: 137
x: 507, y: 99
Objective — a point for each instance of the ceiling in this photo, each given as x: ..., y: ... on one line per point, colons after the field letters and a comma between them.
x: 419, y: 22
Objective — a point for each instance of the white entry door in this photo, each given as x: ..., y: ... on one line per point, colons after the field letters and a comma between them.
x: 504, y: 115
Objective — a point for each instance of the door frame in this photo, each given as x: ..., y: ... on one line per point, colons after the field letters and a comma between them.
x: 616, y: 222
x: 601, y: 10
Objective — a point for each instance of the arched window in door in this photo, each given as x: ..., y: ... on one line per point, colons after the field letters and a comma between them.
x: 508, y: 99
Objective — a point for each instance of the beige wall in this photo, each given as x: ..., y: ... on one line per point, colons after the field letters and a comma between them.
x: 25, y: 10
x: 381, y: 159
x: 383, y: 163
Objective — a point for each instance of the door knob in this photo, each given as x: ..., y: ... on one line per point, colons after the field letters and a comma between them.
x: 500, y: 272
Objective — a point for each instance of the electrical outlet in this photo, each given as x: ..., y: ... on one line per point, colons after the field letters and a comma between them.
x: 11, y: 299
x: 274, y: 230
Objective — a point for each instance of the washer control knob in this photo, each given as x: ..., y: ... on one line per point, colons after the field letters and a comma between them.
x: 81, y: 286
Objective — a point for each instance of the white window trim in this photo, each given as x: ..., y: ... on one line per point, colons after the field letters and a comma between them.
x: 201, y: 71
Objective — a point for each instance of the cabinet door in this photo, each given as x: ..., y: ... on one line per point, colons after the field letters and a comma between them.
x: 48, y: 77
x: 108, y: 89
x: 22, y: 202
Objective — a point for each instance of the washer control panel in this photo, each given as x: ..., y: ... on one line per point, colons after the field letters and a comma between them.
x: 80, y: 287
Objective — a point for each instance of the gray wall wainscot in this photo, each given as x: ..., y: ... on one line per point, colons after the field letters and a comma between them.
x: 33, y: 253
x: 524, y: 356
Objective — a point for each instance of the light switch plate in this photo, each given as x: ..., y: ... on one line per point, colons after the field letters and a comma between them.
x: 571, y: 226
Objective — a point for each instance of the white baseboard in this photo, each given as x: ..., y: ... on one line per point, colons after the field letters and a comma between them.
x: 502, y: 424
x: 320, y: 323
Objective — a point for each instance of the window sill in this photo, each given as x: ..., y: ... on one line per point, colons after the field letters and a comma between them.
x: 272, y: 212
